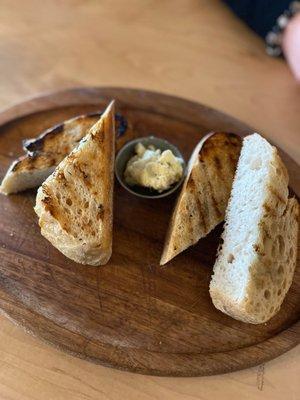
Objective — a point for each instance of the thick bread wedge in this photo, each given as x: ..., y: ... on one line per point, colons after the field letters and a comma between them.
x: 46, y: 151
x: 74, y: 204
x: 205, y: 192
x: 256, y: 262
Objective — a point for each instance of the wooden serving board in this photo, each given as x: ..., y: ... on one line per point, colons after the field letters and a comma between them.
x: 131, y: 313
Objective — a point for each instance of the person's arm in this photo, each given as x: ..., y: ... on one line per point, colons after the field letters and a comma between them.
x: 278, y: 22
x: 291, y: 45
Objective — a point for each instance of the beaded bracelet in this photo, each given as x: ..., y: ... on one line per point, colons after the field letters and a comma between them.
x: 274, y: 37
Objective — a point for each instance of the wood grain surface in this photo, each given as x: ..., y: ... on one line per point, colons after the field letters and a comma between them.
x: 195, y: 49
x: 131, y: 313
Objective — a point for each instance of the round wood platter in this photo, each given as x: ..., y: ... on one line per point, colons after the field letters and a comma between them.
x: 130, y: 314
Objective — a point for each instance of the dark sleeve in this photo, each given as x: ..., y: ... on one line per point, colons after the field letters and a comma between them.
x: 260, y: 15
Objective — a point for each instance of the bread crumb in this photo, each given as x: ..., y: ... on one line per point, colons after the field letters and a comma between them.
x: 11, y: 234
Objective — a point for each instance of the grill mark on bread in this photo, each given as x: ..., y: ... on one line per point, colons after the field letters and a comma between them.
x: 32, y: 162
x: 38, y: 143
x: 232, y: 137
x: 232, y: 159
x: 202, y: 214
x: 193, y: 189
x: 213, y: 199
x: 211, y: 190
x: 49, y: 202
x: 218, y: 163
x: 52, y: 205
x: 80, y: 167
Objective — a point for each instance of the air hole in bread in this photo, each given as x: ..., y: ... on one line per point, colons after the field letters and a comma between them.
x: 284, y: 284
x: 69, y: 201
x: 280, y: 270
x: 230, y: 258
x: 291, y: 253
x: 259, y: 283
x: 274, y: 249
x: 278, y: 246
x: 267, y: 245
x: 279, y: 292
x: 267, y: 294
x: 255, y: 163
x: 281, y: 244
x: 272, y: 309
x: 86, y: 204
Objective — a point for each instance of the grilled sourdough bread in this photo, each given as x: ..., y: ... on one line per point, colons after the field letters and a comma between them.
x: 46, y: 151
x: 205, y: 192
x: 75, y: 203
x: 256, y: 263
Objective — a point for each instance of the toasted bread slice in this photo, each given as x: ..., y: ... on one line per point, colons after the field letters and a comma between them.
x: 46, y: 151
x: 205, y: 192
x: 256, y: 262
x: 74, y: 204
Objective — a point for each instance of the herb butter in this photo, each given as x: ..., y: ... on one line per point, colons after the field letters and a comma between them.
x: 152, y: 168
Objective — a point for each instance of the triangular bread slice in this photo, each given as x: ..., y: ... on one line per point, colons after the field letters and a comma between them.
x: 75, y: 203
x: 256, y: 263
x: 46, y: 151
x: 202, y: 202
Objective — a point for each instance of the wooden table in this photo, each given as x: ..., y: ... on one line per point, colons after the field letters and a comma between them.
x: 195, y: 49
